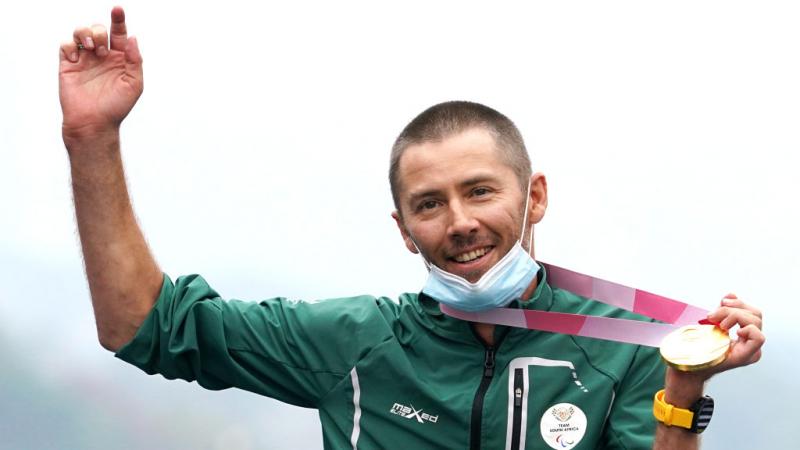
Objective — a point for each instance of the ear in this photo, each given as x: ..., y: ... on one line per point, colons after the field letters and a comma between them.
x: 404, y: 232
x: 538, y: 201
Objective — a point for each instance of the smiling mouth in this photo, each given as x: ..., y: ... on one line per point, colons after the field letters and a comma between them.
x: 471, y: 255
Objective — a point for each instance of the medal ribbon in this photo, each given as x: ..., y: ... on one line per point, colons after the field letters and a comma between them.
x: 673, y: 313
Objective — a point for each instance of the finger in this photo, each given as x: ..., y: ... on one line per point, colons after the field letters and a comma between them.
x: 68, y: 52
x: 100, y: 38
x: 119, y: 31
x: 133, y: 60
x: 719, y: 314
x: 83, y: 36
x: 726, y: 317
x: 736, y: 316
x: 132, y: 54
x: 732, y: 301
x: 744, y: 351
x: 738, y: 303
x: 748, y: 348
x: 751, y: 332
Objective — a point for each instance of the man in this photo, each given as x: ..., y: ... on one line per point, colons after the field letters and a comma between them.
x: 382, y: 374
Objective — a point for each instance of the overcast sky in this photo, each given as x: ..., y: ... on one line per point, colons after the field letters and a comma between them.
x: 257, y: 156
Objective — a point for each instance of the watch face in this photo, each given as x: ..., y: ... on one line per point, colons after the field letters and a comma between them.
x: 702, y: 409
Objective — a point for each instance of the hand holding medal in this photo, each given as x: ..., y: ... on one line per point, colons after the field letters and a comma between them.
x: 693, y: 354
x: 704, y: 346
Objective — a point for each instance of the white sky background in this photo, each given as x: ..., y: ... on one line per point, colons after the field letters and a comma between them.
x: 257, y: 156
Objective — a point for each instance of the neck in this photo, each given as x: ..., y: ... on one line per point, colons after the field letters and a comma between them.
x: 486, y: 330
x: 531, y: 289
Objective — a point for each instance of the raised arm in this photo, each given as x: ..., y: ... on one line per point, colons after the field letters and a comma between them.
x: 100, y: 80
x: 683, y: 388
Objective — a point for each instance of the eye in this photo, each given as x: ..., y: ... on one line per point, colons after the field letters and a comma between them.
x: 427, y: 205
x: 481, y: 191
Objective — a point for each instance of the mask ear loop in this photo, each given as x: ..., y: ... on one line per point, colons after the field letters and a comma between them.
x: 525, y: 220
x: 530, y: 243
x: 424, y: 259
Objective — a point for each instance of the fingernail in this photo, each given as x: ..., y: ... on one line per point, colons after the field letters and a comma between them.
x: 89, y: 42
x: 727, y: 301
x: 73, y: 56
x: 102, y: 50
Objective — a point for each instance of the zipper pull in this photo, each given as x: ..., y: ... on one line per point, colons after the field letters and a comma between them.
x: 488, y: 364
x: 518, y: 397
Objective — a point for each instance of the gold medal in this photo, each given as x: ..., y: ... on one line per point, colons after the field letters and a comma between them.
x: 695, y: 347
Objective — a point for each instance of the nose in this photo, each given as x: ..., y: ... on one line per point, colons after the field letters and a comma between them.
x: 462, y: 221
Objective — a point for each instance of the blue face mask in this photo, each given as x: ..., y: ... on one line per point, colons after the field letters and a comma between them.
x: 505, y: 282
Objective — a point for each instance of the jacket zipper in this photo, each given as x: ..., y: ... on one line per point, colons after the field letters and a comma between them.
x: 519, y: 390
x: 477, y: 404
x: 476, y: 418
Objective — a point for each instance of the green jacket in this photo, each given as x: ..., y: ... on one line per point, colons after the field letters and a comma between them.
x: 390, y: 375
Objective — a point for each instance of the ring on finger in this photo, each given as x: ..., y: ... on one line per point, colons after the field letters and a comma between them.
x: 80, y: 46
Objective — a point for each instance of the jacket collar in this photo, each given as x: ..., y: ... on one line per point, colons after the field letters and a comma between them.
x: 432, y: 317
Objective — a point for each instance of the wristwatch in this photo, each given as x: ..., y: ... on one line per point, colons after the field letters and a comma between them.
x: 694, y: 419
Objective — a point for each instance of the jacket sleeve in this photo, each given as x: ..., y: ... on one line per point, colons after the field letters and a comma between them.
x: 292, y: 351
x: 630, y: 424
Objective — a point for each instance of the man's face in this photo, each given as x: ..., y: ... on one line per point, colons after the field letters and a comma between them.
x: 460, y: 203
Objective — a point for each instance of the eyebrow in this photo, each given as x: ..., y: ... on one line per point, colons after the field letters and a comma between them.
x: 471, y: 181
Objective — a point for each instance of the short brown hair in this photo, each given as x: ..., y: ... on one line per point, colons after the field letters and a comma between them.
x: 449, y: 118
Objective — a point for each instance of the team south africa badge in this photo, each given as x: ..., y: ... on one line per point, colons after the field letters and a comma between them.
x: 563, y: 426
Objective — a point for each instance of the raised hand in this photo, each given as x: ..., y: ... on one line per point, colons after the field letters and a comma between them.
x: 747, y: 348
x: 682, y: 389
x: 98, y: 83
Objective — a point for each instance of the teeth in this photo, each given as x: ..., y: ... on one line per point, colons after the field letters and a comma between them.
x: 469, y: 256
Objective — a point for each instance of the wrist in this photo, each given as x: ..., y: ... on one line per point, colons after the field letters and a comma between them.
x: 682, y: 389
x: 90, y: 145
x: 77, y: 136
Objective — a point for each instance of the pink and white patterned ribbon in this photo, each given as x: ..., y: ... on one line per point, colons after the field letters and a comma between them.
x: 673, y: 313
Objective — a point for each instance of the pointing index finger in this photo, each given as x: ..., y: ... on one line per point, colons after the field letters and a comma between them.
x: 119, y: 31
